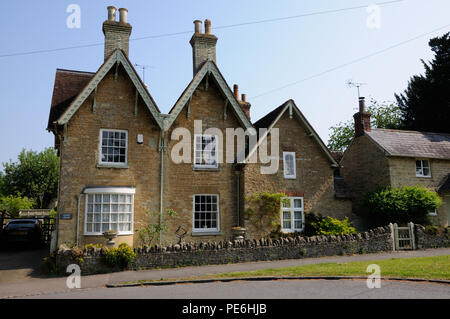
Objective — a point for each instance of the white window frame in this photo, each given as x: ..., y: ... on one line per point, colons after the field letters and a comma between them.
x: 291, y: 209
x: 115, y: 164
x: 422, y: 160
x: 216, y: 138
x: 285, y: 170
x: 206, y: 230
x: 433, y: 212
x: 108, y: 191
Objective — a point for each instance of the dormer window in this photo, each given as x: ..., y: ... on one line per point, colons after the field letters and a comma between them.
x: 205, y: 151
x: 113, y: 147
x: 423, y: 168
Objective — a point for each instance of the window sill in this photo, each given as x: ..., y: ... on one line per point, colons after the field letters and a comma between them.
x: 101, y: 235
x: 212, y: 169
x: 293, y: 177
x: 209, y: 233
x: 112, y: 166
x: 290, y: 231
x: 421, y: 176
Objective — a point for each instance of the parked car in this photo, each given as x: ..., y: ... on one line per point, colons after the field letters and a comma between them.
x: 23, y: 231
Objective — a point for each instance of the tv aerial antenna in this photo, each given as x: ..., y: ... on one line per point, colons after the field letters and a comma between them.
x: 352, y: 84
x: 143, y: 67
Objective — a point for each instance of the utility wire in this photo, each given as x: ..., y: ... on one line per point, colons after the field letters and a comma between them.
x: 349, y: 63
x: 164, y: 35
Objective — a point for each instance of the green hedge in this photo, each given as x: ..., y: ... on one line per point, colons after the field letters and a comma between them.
x: 400, y: 205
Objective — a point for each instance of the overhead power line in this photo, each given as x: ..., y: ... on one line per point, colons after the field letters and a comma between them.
x: 349, y: 63
x: 164, y: 35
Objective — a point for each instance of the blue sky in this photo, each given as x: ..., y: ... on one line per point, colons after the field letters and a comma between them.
x: 259, y: 57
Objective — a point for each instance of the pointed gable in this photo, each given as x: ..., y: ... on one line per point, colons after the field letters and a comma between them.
x: 116, y: 58
x: 210, y: 71
x: 271, y: 119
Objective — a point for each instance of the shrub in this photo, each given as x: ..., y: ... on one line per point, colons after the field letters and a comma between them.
x: 400, y: 205
x: 310, y: 219
x: 264, y: 211
x: 333, y: 226
x: 120, y: 256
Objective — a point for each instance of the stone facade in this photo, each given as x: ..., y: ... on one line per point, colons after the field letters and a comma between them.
x: 314, y: 176
x: 403, y: 172
x: 79, y: 156
x: 183, y: 181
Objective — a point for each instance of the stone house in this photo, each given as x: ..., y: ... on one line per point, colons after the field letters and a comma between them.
x: 382, y: 157
x: 123, y: 163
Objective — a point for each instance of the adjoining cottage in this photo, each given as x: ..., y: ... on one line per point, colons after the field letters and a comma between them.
x: 383, y: 157
x: 117, y: 150
x: 306, y: 172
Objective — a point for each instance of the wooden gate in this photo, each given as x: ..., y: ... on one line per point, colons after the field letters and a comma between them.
x: 404, y: 237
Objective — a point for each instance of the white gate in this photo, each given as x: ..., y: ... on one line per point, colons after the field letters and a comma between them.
x: 404, y: 237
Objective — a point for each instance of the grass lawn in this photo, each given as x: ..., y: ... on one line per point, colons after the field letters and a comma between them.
x: 437, y: 267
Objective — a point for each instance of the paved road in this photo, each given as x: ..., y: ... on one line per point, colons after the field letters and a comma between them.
x: 280, y: 289
x: 13, y: 285
x: 19, y: 263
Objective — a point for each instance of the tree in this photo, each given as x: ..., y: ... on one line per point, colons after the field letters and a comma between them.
x: 425, y: 104
x: 34, y: 175
x: 384, y: 115
x: 13, y: 204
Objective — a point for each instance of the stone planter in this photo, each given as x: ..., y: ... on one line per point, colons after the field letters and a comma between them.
x: 110, y: 235
x: 238, y: 233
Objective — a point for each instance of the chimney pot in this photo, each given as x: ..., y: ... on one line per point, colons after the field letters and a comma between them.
x: 207, y: 26
x: 243, y: 97
x: 362, y: 104
x: 111, y: 13
x: 123, y: 15
x: 236, y: 91
x: 362, y: 119
x: 197, y: 26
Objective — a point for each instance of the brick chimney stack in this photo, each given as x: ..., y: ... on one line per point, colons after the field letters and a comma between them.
x: 117, y: 33
x: 245, y: 106
x: 362, y: 119
x: 203, y: 45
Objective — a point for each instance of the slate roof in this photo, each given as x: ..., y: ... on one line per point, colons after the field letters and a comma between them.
x: 412, y: 143
x: 68, y: 83
x: 268, y: 119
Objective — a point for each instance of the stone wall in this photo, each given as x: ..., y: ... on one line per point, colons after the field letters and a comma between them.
x: 188, y: 254
x: 431, y: 237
